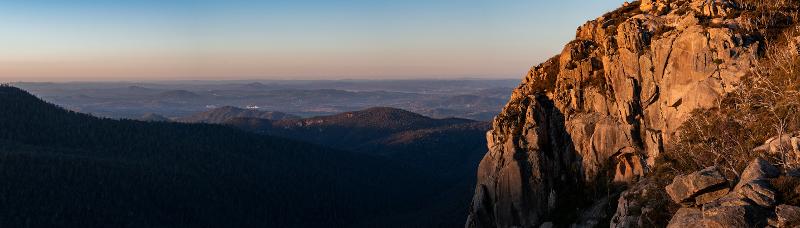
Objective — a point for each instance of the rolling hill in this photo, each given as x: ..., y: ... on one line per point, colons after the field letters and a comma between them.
x: 152, y: 117
x: 220, y: 115
x: 433, y: 145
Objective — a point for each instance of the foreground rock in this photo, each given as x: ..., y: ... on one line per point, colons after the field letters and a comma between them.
x: 786, y: 142
x: 751, y: 203
x: 687, y: 218
x: 758, y: 170
x: 732, y: 216
x: 709, y: 181
x: 759, y: 192
x: 634, y: 212
x: 787, y: 216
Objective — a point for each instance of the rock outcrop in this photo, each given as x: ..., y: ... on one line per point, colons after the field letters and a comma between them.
x: 698, y: 186
x: 602, y: 110
x: 786, y: 142
x: 751, y: 203
x: 634, y: 212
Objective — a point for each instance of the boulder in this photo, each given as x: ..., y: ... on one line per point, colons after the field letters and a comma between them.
x: 687, y: 22
x: 687, y: 218
x: 753, y: 184
x: 758, y: 169
x: 731, y: 199
x: 710, y: 196
x: 744, y: 206
x: 784, y: 143
x: 685, y: 188
x: 730, y: 216
x: 656, y: 7
x: 760, y: 192
x: 713, y: 8
x: 787, y: 216
x: 632, y: 208
x: 646, y: 5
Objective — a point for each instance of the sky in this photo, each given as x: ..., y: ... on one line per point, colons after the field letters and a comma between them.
x: 127, y: 40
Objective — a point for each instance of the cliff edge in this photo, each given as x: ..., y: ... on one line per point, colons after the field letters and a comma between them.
x: 600, y: 113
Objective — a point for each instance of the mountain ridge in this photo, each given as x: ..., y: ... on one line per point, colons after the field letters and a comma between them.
x: 222, y: 114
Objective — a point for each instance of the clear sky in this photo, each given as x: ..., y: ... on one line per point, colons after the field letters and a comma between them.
x: 77, y: 40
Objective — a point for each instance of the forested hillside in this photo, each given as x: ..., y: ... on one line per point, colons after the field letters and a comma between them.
x: 446, y: 149
x: 66, y: 169
x: 219, y: 115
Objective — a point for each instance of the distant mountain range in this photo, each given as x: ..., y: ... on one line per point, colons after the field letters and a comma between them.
x: 177, y: 94
x: 471, y: 99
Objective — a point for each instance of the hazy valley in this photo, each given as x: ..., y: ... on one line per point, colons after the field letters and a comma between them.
x: 472, y: 99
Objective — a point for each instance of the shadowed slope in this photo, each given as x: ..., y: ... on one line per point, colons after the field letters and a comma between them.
x: 448, y: 149
x: 66, y: 169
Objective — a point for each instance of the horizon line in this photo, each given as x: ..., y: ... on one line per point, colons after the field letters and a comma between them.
x: 265, y: 80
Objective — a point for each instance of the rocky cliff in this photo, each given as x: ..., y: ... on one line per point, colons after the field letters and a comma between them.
x: 599, y: 113
x: 709, y: 201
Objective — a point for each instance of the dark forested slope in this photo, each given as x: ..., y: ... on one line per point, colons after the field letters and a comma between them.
x: 65, y: 169
x: 446, y: 149
x: 350, y: 129
x: 437, y: 146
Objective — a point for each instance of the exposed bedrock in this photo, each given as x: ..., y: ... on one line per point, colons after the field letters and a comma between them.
x: 605, y: 107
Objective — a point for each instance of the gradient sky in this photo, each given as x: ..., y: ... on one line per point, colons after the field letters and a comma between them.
x: 78, y: 40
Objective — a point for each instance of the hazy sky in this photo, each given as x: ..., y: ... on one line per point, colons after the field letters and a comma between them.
x: 57, y: 40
